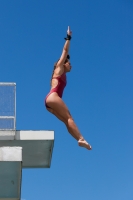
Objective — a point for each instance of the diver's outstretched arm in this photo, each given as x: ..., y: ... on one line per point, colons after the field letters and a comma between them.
x: 65, y: 48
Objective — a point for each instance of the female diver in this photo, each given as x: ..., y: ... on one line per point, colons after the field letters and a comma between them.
x: 53, y: 101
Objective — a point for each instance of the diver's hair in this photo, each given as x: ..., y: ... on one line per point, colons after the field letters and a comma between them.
x: 68, y: 57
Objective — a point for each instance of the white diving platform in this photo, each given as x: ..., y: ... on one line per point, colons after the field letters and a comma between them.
x: 37, y: 146
x: 19, y: 148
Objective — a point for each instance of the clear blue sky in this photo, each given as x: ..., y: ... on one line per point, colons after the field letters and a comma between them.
x: 99, y: 93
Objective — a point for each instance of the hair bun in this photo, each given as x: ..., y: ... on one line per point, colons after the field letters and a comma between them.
x: 68, y: 57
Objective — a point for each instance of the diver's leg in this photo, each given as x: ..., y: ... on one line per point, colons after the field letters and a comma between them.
x: 60, y: 110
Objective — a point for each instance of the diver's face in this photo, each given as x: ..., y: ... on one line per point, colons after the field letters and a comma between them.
x: 67, y: 66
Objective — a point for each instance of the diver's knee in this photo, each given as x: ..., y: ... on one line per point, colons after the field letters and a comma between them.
x: 69, y: 120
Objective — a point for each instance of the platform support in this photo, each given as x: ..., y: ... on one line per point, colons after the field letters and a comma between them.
x: 10, y: 173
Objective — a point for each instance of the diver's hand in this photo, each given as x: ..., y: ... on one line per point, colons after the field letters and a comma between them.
x: 69, y: 32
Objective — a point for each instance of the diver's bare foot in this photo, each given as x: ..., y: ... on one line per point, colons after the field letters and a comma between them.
x: 83, y: 143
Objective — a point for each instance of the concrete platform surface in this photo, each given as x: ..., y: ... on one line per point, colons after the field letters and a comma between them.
x: 37, y: 146
x: 10, y: 153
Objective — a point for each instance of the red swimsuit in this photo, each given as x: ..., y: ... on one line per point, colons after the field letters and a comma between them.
x: 59, y: 88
